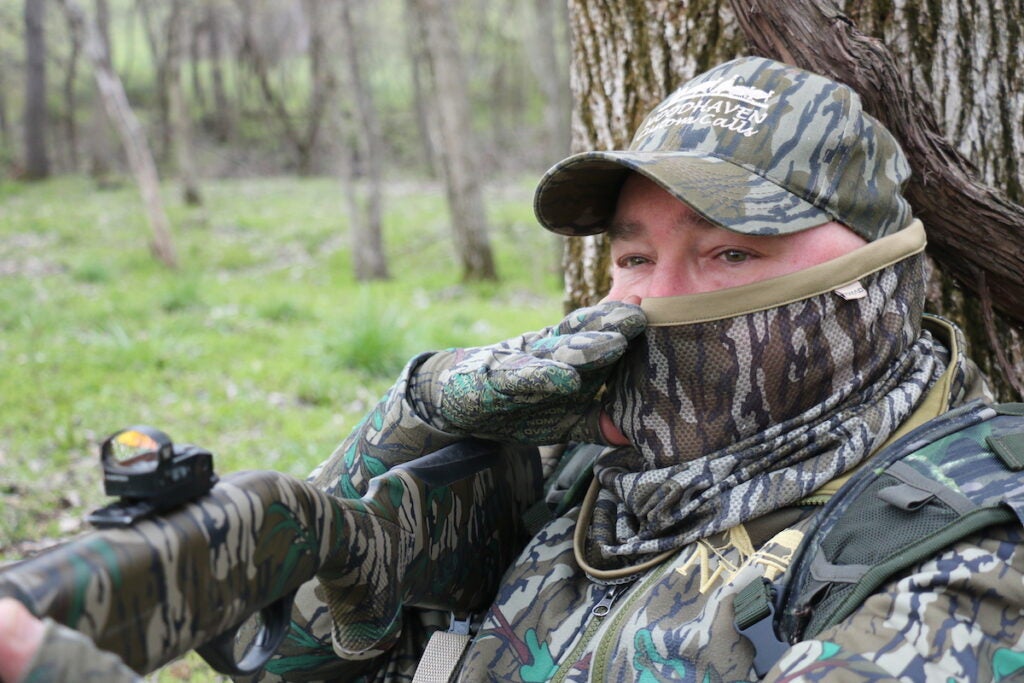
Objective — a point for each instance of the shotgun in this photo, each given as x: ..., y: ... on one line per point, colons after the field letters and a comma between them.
x: 154, y: 585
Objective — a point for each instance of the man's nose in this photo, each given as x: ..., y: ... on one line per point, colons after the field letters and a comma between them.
x: 671, y: 279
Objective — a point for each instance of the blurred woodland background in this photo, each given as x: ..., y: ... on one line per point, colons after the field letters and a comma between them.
x: 464, y: 89
x: 236, y: 219
x: 195, y: 89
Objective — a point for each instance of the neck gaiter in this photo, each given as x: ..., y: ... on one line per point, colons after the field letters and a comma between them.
x: 741, y: 401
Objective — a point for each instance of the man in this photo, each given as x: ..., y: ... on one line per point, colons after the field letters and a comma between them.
x: 757, y: 220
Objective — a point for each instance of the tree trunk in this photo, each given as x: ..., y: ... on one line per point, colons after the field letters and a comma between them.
x: 628, y: 55
x: 100, y: 145
x: 37, y: 160
x: 457, y: 151
x: 70, y: 101
x: 416, y: 46
x: 120, y: 112
x: 5, y: 128
x: 362, y: 189
x: 552, y: 75
x: 322, y: 78
x: 159, y: 55
x: 198, y: 30
x: 181, y: 134
x: 222, y: 113
x: 976, y: 88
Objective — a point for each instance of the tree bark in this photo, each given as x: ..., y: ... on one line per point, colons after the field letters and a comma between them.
x: 36, y: 120
x: 5, y: 128
x: 70, y: 101
x: 457, y: 151
x: 195, y: 57
x: 362, y: 189
x: 120, y: 112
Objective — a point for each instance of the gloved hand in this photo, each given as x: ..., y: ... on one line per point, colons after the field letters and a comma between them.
x: 540, y: 388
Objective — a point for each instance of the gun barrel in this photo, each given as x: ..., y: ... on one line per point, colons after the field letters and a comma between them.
x: 166, y: 585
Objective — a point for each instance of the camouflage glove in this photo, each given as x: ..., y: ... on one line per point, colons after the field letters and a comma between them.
x: 540, y: 388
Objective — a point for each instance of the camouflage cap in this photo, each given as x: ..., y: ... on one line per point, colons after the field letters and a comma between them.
x: 754, y: 145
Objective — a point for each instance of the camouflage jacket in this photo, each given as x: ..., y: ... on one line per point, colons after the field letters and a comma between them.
x: 941, y: 620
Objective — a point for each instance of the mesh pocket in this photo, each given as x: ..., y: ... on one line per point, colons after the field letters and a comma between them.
x: 872, y: 531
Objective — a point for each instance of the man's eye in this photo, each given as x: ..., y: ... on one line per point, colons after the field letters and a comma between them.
x: 734, y: 256
x: 632, y: 261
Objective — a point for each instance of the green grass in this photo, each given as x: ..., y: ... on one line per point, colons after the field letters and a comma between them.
x: 260, y: 347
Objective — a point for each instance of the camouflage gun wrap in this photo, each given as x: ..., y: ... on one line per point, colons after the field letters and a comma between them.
x: 187, y: 579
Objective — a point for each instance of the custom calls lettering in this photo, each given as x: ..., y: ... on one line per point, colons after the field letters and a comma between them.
x: 722, y: 102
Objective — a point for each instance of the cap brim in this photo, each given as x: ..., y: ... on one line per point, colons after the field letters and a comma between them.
x: 578, y: 196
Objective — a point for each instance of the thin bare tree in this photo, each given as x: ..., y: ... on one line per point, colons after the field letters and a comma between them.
x: 419, y: 68
x: 178, y: 21
x: 70, y: 94
x: 552, y: 73
x: 152, y: 14
x: 363, y: 155
x: 100, y: 143
x: 222, y: 115
x: 456, y: 150
x: 5, y: 127
x: 302, y: 131
x: 36, y: 113
x: 111, y: 91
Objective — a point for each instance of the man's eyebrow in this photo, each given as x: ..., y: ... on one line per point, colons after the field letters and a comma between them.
x: 698, y: 219
x: 623, y: 230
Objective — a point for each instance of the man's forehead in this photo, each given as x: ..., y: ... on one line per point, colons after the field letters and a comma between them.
x: 683, y: 217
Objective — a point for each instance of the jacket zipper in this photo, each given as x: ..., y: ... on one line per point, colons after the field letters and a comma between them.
x: 597, y: 614
x: 602, y: 608
x: 601, y: 652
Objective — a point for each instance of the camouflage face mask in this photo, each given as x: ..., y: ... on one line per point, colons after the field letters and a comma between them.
x: 741, y: 401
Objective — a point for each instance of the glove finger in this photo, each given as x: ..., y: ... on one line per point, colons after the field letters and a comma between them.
x: 534, y: 381
x: 609, y: 316
x: 584, y: 351
x: 523, y: 341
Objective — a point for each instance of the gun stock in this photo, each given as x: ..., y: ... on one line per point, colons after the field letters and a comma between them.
x: 189, y: 578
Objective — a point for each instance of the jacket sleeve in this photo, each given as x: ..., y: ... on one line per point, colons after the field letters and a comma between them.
x: 957, y: 617
x: 391, y: 434
x: 67, y: 655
